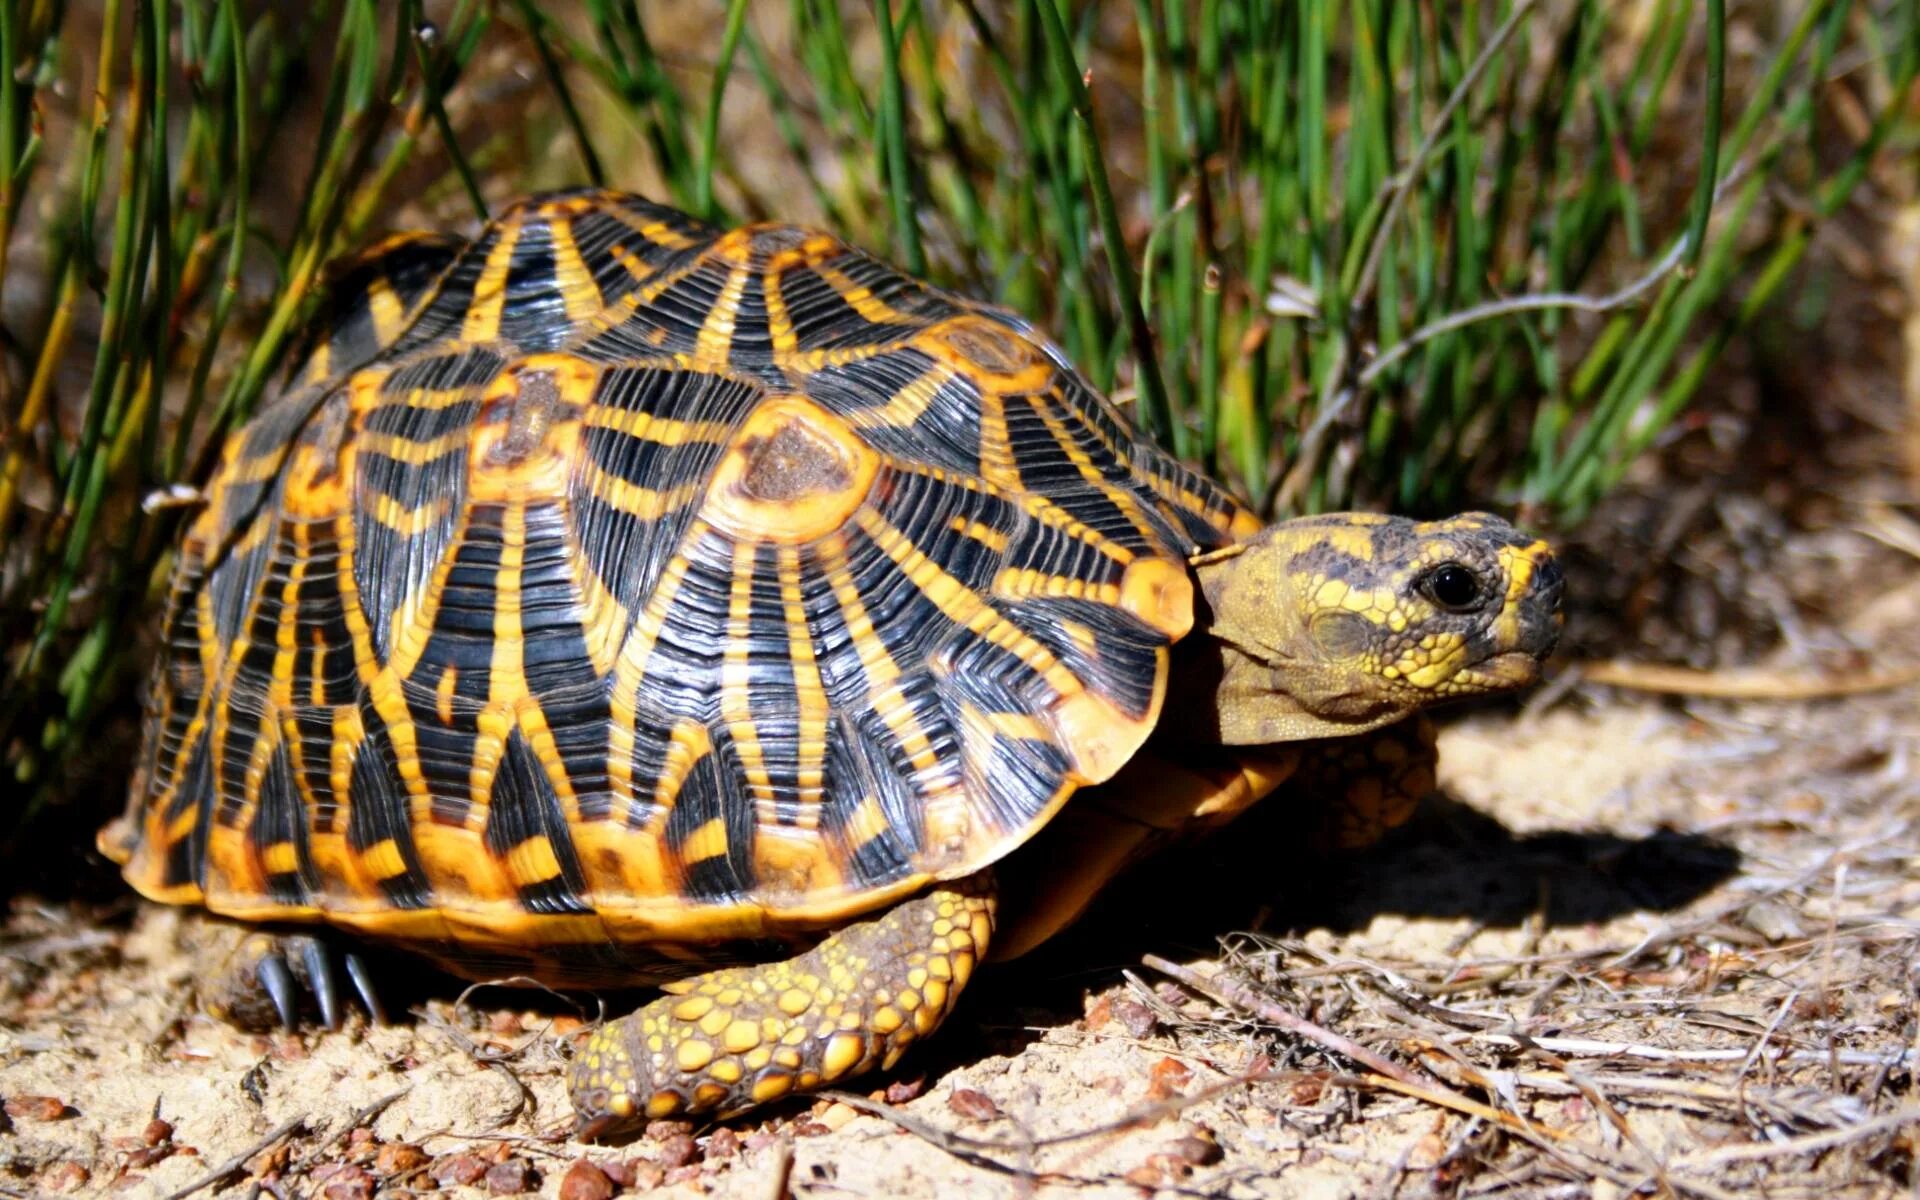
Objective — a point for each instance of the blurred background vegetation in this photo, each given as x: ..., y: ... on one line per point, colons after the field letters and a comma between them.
x: 1379, y: 254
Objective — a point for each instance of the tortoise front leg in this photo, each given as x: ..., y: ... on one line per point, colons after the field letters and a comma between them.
x: 1325, y: 793
x: 723, y: 1042
x: 1351, y: 792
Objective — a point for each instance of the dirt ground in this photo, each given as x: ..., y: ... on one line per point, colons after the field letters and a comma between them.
x: 1636, y: 944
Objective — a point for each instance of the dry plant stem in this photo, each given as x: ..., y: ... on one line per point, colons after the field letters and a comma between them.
x: 1237, y: 995
x: 1598, y: 1099
x: 1581, y: 1156
x: 1741, y: 685
x: 1512, y: 305
x: 239, y: 1161
x: 353, y: 1122
x: 1592, y: 1048
x: 1812, y: 1143
x: 1446, y: 1098
x: 780, y: 1172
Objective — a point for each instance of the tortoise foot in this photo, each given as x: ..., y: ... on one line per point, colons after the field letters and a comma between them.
x: 287, y: 980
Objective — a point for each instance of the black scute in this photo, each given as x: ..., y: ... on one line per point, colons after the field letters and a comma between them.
x: 711, y: 792
x: 524, y: 805
x: 407, y: 264
x: 379, y: 812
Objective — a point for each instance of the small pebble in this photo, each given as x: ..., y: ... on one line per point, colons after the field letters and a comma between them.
x: 156, y: 1132
x: 585, y: 1181
x: 1135, y: 1016
x: 396, y: 1158
x: 146, y: 1156
x: 462, y: 1169
x: 1099, y: 1012
x: 37, y: 1108
x: 977, y: 1106
x: 510, y: 1177
x: 760, y: 1139
x: 723, y: 1143
x: 344, y: 1181
x: 65, y: 1177
x: 1170, y: 1166
x: 505, y: 1022
x: 1197, y: 1149
x: 838, y: 1115
x: 1148, y: 1175
x: 677, y: 1150
x: 644, y: 1175
x: 1166, y: 1077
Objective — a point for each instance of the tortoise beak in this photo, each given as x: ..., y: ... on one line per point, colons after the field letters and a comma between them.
x: 1531, y: 619
x: 1540, y: 617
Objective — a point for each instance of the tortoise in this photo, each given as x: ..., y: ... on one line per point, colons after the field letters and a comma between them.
x: 625, y: 601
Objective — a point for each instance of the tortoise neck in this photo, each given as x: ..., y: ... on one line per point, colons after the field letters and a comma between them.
x: 1247, y: 674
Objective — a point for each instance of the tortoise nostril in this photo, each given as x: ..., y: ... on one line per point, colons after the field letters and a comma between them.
x: 1550, y: 584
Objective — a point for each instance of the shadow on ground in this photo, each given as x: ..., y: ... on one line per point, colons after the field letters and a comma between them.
x: 1450, y: 861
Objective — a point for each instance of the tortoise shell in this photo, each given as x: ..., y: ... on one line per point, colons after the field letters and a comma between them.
x: 615, y: 579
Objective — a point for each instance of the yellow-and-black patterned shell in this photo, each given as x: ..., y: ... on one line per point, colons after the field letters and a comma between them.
x: 612, y: 579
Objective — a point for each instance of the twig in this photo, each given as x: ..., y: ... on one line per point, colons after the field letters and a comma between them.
x: 1500, y: 1082
x: 1742, y: 685
x: 1236, y: 995
x: 1810, y: 1143
x: 1534, y: 302
x: 1448, y: 1098
x: 1592, y: 1048
x: 1606, y: 1108
x: 358, y: 1119
x: 239, y: 1161
x: 782, y: 1170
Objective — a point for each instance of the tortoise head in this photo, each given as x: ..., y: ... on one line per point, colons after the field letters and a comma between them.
x: 1333, y: 625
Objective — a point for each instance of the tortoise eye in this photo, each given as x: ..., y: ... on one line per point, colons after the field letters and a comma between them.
x: 1451, y: 586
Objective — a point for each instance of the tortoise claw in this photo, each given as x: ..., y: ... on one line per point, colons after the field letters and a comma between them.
x: 284, y: 980
x: 323, y: 981
x: 362, y: 978
x: 276, y: 978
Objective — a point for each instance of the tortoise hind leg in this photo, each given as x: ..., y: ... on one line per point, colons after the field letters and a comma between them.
x: 288, y: 979
x: 720, y: 1043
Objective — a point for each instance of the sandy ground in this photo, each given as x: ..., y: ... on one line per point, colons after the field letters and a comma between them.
x: 1635, y: 943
